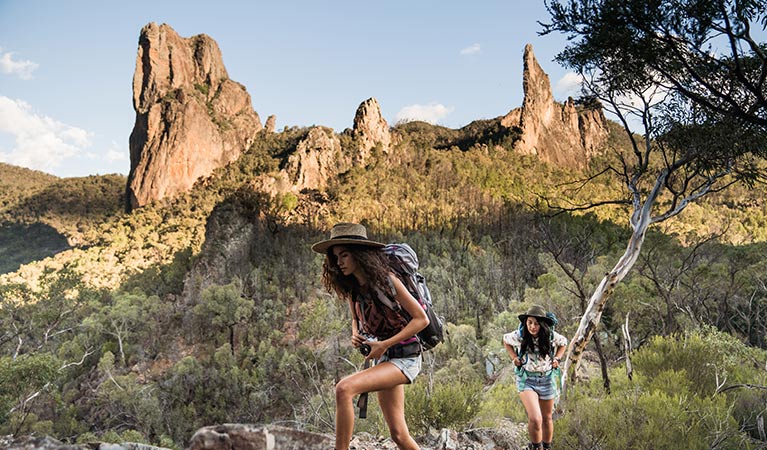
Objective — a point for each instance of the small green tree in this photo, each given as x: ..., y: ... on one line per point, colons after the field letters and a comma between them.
x: 223, y: 307
x: 22, y: 380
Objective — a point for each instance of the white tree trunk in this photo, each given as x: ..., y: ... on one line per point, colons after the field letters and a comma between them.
x: 593, y: 313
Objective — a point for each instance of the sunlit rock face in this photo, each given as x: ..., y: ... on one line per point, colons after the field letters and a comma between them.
x: 190, y: 117
x: 560, y: 134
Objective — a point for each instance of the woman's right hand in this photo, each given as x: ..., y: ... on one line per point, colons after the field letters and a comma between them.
x: 357, y: 340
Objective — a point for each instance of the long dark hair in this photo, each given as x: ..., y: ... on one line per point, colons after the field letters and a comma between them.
x: 371, y: 260
x: 543, y: 340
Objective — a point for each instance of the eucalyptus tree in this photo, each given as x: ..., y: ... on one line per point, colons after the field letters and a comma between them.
x: 686, y: 80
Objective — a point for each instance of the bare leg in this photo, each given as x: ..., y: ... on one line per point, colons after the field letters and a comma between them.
x: 534, y: 417
x: 392, y: 403
x: 547, y: 410
x: 380, y: 377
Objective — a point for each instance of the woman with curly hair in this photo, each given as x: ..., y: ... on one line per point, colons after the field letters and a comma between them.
x: 357, y: 270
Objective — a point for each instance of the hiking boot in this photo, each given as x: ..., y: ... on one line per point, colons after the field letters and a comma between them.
x: 532, y: 446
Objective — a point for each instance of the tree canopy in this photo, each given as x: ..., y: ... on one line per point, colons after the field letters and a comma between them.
x: 686, y: 78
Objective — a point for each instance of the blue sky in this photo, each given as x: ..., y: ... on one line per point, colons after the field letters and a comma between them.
x: 66, y: 68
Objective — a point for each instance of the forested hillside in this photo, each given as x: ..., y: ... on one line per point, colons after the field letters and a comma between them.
x: 207, y: 308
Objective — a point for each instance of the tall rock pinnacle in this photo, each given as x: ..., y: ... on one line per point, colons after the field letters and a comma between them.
x: 370, y: 128
x: 190, y: 117
x: 558, y: 134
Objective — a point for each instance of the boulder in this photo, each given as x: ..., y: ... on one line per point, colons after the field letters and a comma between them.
x: 272, y: 437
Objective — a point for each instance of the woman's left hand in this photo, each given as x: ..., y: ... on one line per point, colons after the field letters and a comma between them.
x: 555, y: 363
x: 377, y: 349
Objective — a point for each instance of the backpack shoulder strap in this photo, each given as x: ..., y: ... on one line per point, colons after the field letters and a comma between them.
x: 386, y: 300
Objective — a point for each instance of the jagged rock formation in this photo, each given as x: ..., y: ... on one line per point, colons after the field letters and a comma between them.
x: 317, y: 158
x: 271, y: 123
x: 370, y: 129
x: 559, y: 134
x: 190, y: 117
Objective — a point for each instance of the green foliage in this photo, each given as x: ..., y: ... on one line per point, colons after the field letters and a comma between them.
x: 320, y: 318
x: 652, y: 419
x: 21, y: 378
x: 672, y: 401
x: 18, y: 182
x: 124, y: 401
x: 203, y: 88
x: 221, y: 308
x: 499, y: 401
x: 443, y: 405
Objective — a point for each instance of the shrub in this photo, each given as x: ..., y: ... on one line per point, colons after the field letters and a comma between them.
x: 444, y: 405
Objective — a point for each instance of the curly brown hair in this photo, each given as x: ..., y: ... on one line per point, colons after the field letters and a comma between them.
x: 373, y: 261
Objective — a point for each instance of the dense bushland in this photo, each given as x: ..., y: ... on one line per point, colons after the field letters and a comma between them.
x: 102, y: 342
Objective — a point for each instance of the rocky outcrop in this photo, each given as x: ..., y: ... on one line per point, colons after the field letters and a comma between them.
x: 271, y: 123
x: 508, y: 436
x: 49, y: 443
x: 233, y: 436
x: 190, y: 117
x: 231, y: 235
x: 251, y: 437
x: 317, y: 158
x: 370, y: 129
x: 559, y: 134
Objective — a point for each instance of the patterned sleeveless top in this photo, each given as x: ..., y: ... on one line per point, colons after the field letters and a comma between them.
x: 375, y: 318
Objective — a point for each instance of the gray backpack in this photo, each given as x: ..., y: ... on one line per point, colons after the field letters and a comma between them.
x: 404, y: 263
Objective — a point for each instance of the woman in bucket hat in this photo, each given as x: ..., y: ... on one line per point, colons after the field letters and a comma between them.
x: 536, y: 350
x: 357, y: 270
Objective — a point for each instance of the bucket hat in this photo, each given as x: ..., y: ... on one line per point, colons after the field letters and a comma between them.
x: 346, y: 233
x: 538, y: 312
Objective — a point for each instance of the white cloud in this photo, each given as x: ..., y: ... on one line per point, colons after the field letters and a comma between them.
x: 23, y: 69
x: 115, y: 153
x: 430, y: 113
x: 569, y: 86
x: 470, y: 50
x: 41, y: 142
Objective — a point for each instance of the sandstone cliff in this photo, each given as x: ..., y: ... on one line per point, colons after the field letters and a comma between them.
x: 559, y: 134
x: 190, y: 117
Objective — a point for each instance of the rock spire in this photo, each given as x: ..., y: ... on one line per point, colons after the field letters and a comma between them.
x: 190, y: 117
x: 559, y: 134
x: 370, y: 128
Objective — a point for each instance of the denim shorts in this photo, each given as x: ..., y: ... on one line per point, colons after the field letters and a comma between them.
x: 411, y: 366
x: 543, y: 385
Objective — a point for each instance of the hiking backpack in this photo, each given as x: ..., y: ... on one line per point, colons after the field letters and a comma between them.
x: 554, y: 322
x: 404, y: 263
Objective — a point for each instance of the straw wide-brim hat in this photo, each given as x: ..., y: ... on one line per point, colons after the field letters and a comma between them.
x: 345, y: 234
x: 538, y: 312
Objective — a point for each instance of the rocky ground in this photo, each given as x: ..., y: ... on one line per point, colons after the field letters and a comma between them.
x: 507, y: 436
